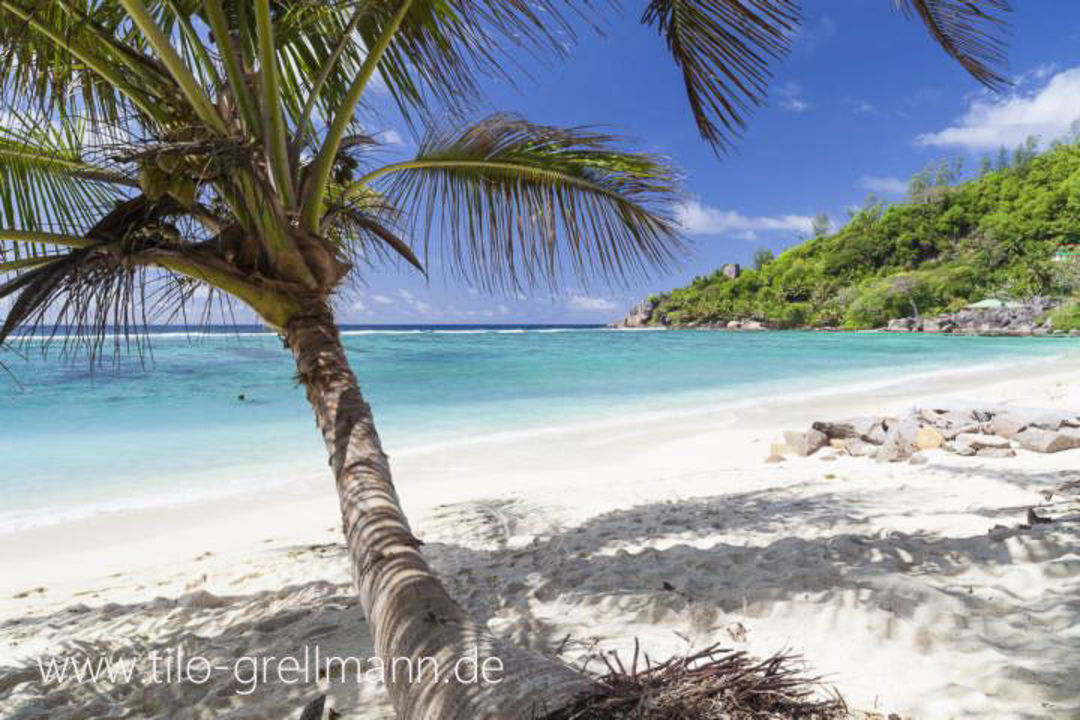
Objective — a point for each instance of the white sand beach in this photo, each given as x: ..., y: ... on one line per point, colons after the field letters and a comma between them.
x: 882, y: 576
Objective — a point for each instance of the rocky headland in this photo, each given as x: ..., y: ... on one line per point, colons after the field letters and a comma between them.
x: 1016, y: 319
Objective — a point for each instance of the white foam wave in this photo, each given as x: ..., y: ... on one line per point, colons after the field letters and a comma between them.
x: 239, y: 481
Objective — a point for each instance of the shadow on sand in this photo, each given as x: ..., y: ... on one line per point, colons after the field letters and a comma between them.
x: 698, y: 564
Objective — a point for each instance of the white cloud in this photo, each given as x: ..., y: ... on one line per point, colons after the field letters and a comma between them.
x: 390, y: 137
x: 859, y: 106
x: 698, y: 219
x: 991, y: 122
x: 415, y: 303
x: 883, y: 185
x: 1037, y: 74
x: 791, y: 97
x: 359, y: 306
x: 382, y: 300
x: 813, y: 34
x: 591, y: 304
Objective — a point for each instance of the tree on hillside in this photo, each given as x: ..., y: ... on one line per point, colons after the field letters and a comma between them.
x: 1002, y: 159
x: 821, y: 225
x: 1024, y: 153
x: 154, y: 146
x: 762, y: 257
x: 919, y: 186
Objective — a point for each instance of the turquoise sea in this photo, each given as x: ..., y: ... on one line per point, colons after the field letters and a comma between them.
x: 171, y: 427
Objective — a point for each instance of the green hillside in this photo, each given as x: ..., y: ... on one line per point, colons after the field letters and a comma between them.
x: 949, y: 245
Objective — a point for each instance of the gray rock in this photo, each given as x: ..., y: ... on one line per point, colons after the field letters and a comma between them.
x: 951, y: 433
x: 979, y: 441
x: 953, y: 418
x: 1022, y: 319
x: 1007, y: 425
x: 836, y: 430
x: 899, y: 441
x: 805, y: 443
x: 1048, y: 441
x: 901, y: 325
x: 996, y: 452
x: 641, y: 314
x: 866, y: 426
x: 960, y: 448
x: 1051, y: 420
x: 877, y: 434
x: 200, y: 599
x: 859, y: 448
x: 918, y: 459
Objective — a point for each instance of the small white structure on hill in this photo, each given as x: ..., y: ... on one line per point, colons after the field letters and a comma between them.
x: 994, y: 304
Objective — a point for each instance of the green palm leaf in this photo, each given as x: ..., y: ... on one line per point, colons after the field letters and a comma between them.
x: 511, y: 201
x: 46, y: 185
x: 723, y: 48
x: 79, y: 57
x: 968, y: 30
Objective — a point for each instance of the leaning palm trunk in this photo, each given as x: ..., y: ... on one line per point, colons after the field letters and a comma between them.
x: 410, y: 613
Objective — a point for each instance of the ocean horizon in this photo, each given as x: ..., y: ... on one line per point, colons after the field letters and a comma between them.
x: 214, y: 411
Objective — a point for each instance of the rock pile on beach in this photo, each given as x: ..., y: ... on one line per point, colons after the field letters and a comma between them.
x: 981, y: 431
x: 1020, y: 319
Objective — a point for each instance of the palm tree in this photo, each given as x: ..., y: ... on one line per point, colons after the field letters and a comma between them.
x: 154, y: 146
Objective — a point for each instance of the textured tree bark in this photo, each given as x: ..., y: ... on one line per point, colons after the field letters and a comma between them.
x: 410, y: 613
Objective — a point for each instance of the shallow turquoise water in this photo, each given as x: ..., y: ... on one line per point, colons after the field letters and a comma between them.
x: 126, y: 434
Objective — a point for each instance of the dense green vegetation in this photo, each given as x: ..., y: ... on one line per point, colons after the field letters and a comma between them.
x: 1067, y: 317
x: 948, y: 245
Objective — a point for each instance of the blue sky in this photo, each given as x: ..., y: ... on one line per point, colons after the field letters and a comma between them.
x: 864, y: 100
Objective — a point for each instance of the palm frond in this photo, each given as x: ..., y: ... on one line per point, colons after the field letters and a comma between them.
x: 75, y: 56
x: 29, y: 262
x: 512, y: 201
x: 318, y: 40
x: 444, y: 48
x: 724, y: 49
x: 970, y: 31
x: 48, y: 185
x: 368, y: 238
x: 365, y: 226
x: 85, y: 297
